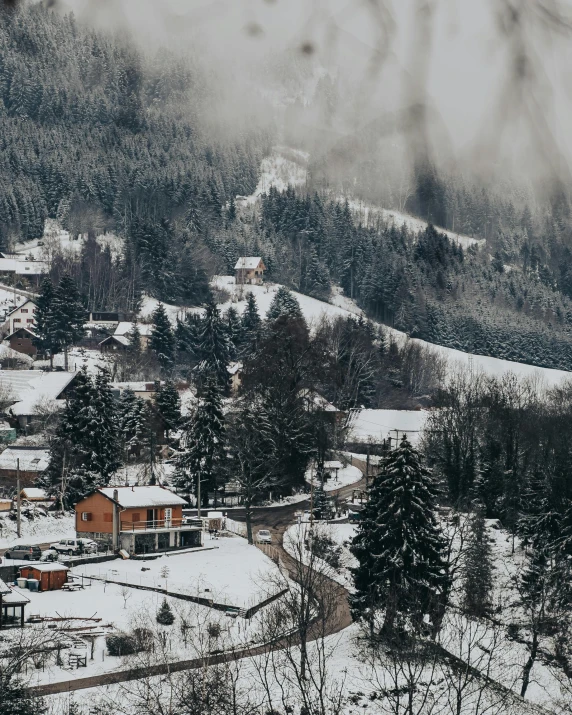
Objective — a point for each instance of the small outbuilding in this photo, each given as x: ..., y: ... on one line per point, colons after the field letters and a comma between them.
x: 12, y: 604
x: 34, y: 494
x: 50, y: 576
x: 23, y: 340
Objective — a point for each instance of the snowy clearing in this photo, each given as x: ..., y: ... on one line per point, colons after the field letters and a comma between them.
x: 233, y: 573
x: 377, y: 425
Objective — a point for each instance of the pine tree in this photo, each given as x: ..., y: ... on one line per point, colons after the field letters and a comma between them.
x: 134, y: 337
x: 132, y: 421
x: 213, y: 346
x: 235, y: 332
x: 162, y: 340
x: 168, y: 404
x: 203, y: 445
x: 284, y: 303
x: 165, y: 614
x: 251, y: 325
x: 66, y: 316
x: 43, y: 316
x: 84, y: 450
x: 477, y: 568
x: 400, y: 548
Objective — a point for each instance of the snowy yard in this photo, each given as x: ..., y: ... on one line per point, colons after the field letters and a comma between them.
x: 233, y: 572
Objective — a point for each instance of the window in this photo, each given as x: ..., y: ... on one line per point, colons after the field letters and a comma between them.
x: 24, y: 310
x: 30, y: 320
x: 17, y: 320
x: 86, y: 516
x: 108, y: 517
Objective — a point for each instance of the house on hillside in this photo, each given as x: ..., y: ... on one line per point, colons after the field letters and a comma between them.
x: 249, y: 270
x: 120, y: 340
x: 18, y: 270
x: 29, y: 462
x: 139, y: 519
x: 34, y: 391
x: 23, y: 316
x: 23, y: 340
x: 235, y: 372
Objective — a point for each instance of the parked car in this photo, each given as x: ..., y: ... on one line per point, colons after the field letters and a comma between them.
x: 264, y: 537
x: 24, y: 552
x: 49, y: 555
x: 75, y: 546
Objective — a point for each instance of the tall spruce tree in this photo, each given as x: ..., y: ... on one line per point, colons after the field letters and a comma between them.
x: 162, y: 340
x: 213, y: 346
x: 477, y: 568
x: 84, y: 451
x: 251, y: 326
x: 132, y: 416
x: 400, y: 549
x: 168, y: 404
x: 235, y: 332
x: 43, y: 316
x: 67, y: 316
x: 203, y: 445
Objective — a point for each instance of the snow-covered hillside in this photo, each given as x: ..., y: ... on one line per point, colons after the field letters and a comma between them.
x: 315, y: 310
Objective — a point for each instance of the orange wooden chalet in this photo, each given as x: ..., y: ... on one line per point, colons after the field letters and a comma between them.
x: 138, y: 519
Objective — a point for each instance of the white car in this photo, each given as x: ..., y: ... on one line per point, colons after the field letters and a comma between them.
x: 75, y: 546
x: 264, y: 537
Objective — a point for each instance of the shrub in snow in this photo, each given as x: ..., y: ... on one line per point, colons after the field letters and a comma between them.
x: 129, y: 643
x: 165, y: 615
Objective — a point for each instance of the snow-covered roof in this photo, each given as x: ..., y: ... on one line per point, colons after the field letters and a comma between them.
x: 145, y: 496
x: 3, y: 587
x: 31, y: 268
x: 29, y: 387
x: 46, y: 567
x: 34, y: 493
x: 7, y: 352
x: 334, y: 464
x: 123, y: 339
x: 14, y: 598
x: 32, y: 459
x: 234, y: 367
x: 136, y: 386
x: 248, y: 262
x: 317, y: 401
x: 125, y: 327
x: 22, y: 327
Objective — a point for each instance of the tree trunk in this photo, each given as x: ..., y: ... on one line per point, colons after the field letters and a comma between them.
x: 66, y: 358
x: 248, y: 512
x: 529, y: 663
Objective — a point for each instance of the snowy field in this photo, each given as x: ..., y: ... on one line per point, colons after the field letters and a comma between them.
x: 41, y: 529
x: 120, y: 609
x: 378, y: 425
x: 233, y: 572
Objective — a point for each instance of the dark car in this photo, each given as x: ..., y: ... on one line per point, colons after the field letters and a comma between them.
x: 21, y: 551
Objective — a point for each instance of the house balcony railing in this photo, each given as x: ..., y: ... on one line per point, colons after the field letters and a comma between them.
x: 161, y: 524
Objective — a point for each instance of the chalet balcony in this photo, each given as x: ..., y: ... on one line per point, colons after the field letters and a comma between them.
x: 155, y: 525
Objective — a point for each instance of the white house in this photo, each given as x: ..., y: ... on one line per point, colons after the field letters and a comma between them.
x: 23, y: 316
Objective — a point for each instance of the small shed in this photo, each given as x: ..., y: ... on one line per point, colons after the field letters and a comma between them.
x: 5, y: 505
x: 51, y: 576
x: 34, y: 494
x: 23, y: 340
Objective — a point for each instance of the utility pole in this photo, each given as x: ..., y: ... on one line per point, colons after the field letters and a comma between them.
x: 367, y: 468
x: 18, y: 499
x: 199, y: 496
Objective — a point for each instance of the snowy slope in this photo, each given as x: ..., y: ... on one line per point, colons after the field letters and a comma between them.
x: 315, y: 310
